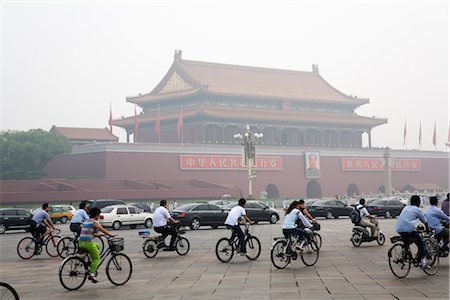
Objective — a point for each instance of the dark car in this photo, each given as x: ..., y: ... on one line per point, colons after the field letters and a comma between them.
x: 142, y: 206
x: 101, y: 203
x: 14, y: 218
x: 389, y: 208
x: 329, y: 209
x: 258, y: 211
x: 195, y: 215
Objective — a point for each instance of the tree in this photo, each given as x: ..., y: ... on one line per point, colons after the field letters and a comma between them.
x: 24, y: 154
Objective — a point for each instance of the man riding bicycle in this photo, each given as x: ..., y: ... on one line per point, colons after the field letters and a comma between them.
x: 78, y: 218
x: 88, y: 230
x: 161, y: 218
x: 367, y: 220
x: 232, y: 221
x: 406, y: 227
x: 434, y: 217
x: 41, y: 224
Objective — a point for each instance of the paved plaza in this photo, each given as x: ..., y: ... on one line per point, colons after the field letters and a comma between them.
x: 342, y: 272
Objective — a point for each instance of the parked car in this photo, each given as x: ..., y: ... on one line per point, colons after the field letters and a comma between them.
x: 14, y: 218
x: 116, y: 216
x: 195, y: 215
x: 389, y: 208
x: 329, y: 209
x: 101, y: 203
x: 142, y: 206
x: 258, y: 211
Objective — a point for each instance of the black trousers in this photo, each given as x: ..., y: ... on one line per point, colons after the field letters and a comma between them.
x: 165, y: 231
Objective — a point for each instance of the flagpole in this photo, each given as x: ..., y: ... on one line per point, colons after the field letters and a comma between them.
x: 182, y: 125
x: 159, y: 127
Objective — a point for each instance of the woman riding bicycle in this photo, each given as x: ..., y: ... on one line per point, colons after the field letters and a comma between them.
x: 289, y: 226
x: 87, y: 240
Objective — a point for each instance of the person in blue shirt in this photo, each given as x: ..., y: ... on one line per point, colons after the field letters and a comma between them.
x: 41, y: 224
x: 406, y: 227
x: 434, y: 217
x: 293, y: 214
x: 79, y: 217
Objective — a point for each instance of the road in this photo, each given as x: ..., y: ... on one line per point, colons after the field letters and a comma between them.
x: 342, y: 272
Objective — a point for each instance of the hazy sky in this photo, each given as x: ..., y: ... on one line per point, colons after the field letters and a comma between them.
x: 63, y: 62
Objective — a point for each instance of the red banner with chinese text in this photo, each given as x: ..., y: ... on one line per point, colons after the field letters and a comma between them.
x: 226, y: 162
x: 377, y: 164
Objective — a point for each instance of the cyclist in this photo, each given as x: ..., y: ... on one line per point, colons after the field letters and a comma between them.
x: 41, y: 224
x: 161, y: 218
x: 293, y: 214
x: 302, y: 208
x: 78, y: 218
x: 367, y: 220
x: 87, y: 240
x: 406, y: 227
x: 434, y: 217
x: 233, y: 220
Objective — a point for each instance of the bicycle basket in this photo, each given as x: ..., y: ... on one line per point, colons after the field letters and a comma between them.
x: 396, y: 239
x: 316, y: 226
x: 116, y: 244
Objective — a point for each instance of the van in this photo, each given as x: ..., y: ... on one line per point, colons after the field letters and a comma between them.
x: 100, y: 203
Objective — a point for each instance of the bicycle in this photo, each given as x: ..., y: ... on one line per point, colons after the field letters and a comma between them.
x: 7, y: 292
x: 283, y: 250
x: 74, y: 269
x: 317, y: 237
x: 69, y: 245
x: 150, y: 245
x: 28, y: 246
x: 226, y: 247
x: 401, y: 258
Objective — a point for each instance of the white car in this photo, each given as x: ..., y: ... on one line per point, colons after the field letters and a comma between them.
x: 116, y: 216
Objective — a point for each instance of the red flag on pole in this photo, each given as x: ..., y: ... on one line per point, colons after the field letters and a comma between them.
x: 404, y: 135
x: 420, y: 134
x: 110, y: 118
x: 136, y: 125
x: 434, y: 135
x: 158, y: 126
x: 180, y: 125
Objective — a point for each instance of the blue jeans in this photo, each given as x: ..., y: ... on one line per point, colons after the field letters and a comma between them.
x: 238, y: 231
x: 295, y: 231
x: 417, y: 240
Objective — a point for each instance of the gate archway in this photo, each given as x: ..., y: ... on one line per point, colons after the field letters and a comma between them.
x: 313, y: 189
x: 353, y: 189
x: 272, y: 191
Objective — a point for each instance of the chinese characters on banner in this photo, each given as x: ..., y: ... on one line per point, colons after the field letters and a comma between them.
x: 226, y: 162
x: 377, y: 164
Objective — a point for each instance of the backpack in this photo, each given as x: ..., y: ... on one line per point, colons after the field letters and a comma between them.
x: 355, y: 216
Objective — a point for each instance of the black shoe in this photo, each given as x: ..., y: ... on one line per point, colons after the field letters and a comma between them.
x: 170, y: 249
x: 161, y: 245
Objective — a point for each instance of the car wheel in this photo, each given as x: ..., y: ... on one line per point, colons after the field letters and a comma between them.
x: 116, y: 225
x: 387, y: 215
x: 273, y: 219
x: 329, y: 215
x: 64, y: 220
x: 148, y: 223
x: 2, y: 228
x: 195, y: 224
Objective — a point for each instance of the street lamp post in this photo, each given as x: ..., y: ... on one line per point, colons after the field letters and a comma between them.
x: 248, y: 141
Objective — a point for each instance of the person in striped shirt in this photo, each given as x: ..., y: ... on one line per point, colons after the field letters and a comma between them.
x: 86, y: 240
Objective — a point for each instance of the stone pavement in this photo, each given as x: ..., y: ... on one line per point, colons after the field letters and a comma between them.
x: 342, y: 272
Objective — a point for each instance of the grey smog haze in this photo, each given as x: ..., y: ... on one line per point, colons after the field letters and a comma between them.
x: 64, y: 62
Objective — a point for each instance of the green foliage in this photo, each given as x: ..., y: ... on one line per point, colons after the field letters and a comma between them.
x: 23, y: 154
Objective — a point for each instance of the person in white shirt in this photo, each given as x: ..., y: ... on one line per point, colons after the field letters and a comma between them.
x: 233, y: 220
x: 161, y: 224
x: 367, y: 220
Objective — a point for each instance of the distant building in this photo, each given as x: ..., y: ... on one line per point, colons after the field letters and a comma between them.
x: 83, y: 136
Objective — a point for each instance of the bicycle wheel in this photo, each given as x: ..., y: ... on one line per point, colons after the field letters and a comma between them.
x: 224, y: 250
x: 182, y: 245
x: 253, y: 248
x: 101, y: 244
x: 26, y: 248
x: 432, y: 257
x: 399, y: 261
x: 7, y: 292
x: 119, y: 269
x: 150, y: 248
x: 278, y: 256
x: 318, y: 239
x: 51, y: 245
x: 73, y: 273
x: 66, y: 246
x: 310, y: 253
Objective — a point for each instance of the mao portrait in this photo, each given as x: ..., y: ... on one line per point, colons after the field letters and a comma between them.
x: 312, y: 163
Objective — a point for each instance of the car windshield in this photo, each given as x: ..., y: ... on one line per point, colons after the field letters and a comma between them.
x: 186, y: 207
x: 320, y: 203
x: 231, y: 205
x: 107, y: 210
